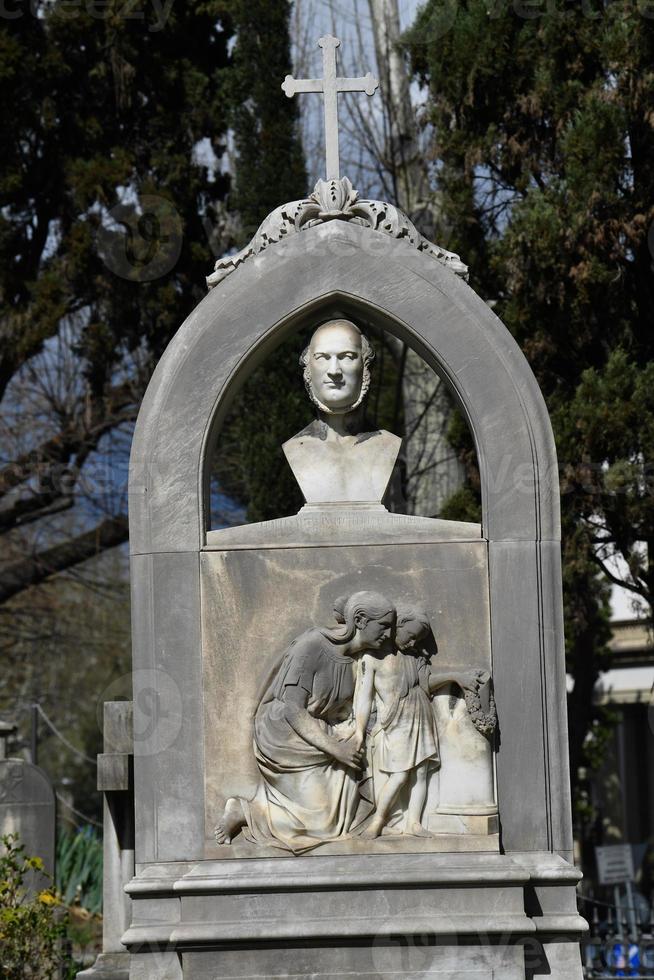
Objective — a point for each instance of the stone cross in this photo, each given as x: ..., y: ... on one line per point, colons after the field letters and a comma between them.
x: 329, y: 86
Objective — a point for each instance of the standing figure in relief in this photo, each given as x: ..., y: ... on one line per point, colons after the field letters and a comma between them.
x: 304, y: 737
x: 406, y: 741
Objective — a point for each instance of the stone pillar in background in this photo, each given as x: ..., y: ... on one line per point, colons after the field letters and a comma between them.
x: 27, y: 806
x: 115, y: 780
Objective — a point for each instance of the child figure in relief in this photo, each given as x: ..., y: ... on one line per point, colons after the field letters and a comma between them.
x: 405, y: 738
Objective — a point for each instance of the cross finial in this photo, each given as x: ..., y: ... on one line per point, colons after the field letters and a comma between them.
x: 329, y: 86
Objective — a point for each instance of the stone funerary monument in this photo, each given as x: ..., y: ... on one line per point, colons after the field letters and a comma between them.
x: 359, y: 767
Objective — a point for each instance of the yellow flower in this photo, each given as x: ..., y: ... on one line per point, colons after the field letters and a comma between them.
x: 47, y: 898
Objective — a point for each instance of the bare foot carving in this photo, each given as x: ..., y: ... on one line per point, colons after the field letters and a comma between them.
x: 416, y: 829
x: 230, y: 823
x: 373, y: 830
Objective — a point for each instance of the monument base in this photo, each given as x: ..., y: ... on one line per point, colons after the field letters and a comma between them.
x: 486, y: 826
x: 478, y: 916
x: 390, y: 959
x: 108, y: 966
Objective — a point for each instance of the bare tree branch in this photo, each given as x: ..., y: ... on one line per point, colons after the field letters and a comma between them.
x: 622, y: 582
x: 25, y: 572
x: 78, y: 436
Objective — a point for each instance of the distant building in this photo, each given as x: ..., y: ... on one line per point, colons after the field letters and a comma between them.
x: 622, y: 790
x: 628, y: 688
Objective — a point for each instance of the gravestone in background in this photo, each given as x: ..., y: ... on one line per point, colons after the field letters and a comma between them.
x: 357, y: 766
x: 27, y: 807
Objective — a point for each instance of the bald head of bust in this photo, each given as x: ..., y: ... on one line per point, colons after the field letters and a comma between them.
x: 336, y: 367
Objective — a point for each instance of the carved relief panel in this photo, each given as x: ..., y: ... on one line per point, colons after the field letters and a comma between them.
x: 348, y: 699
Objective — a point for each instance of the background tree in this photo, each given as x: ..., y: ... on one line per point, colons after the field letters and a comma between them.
x: 545, y: 146
x: 114, y: 192
x: 269, y: 169
x: 103, y: 188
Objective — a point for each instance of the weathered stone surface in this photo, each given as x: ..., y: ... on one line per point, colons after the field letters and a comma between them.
x: 331, y: 200
x: 241, y: 593
x: 190, y: 588
x: 118, y: 727
x: 420, y: 912
x: 114, y: 769
x: 27, y: 808
x: 108, y: 966
x: 385, y: 960
x: 465, y: 782
x: 336, y: 525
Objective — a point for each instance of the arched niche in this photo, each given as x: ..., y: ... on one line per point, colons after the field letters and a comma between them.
x: 339, y: 267
x: 406, y: 397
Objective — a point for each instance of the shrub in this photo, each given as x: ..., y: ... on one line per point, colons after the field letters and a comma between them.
x: 32, y: 923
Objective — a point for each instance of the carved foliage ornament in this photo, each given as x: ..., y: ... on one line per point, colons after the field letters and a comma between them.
x: 330, y: 200
x: 480, y: 702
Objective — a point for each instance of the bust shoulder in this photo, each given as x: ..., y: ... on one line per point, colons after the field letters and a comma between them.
x: 318, y: 431
x: 353, y: 469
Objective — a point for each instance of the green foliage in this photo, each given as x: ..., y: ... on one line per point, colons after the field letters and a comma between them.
x: 611, y: 419
x: 111, y: 200
x: 32, y: 926
x: 249, y: 462
x: 462, y: 505
x: 102, y: 105
x: 79, y: 868
x: 543, y: 131
x: 270, y: 163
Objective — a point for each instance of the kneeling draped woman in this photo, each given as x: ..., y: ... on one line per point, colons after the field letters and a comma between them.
x: 304, y: 740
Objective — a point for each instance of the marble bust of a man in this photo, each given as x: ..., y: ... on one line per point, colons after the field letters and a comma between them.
x: 333, y: 459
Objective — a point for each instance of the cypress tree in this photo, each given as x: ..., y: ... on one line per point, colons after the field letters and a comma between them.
x: 269, y: 170
x: 269, y: 159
